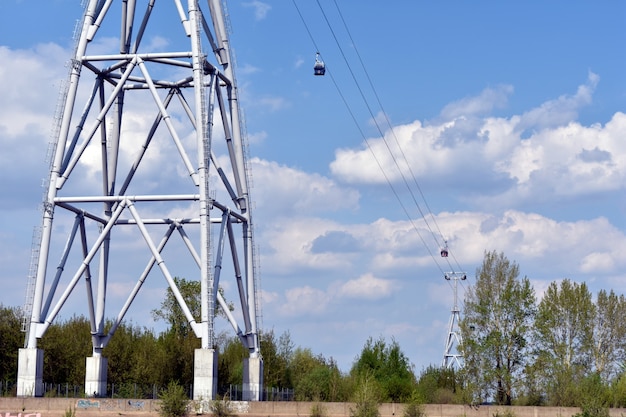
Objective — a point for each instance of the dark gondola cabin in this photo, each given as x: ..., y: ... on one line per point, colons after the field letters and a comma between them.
x: 444, y: 252
x: 319, y: 68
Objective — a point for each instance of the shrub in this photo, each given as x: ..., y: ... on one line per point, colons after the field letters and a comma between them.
x: 174, y: 401
x: 318, y: 410
x: 414, y: 409
x: 593, y: 410
x: 367, y: 397
x: 503, y: 413
x: 221, y: 408
x: 71, y: 412
x: 414, y: 406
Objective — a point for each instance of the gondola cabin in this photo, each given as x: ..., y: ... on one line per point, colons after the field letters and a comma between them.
x: 319, y: 68
x: 444, y: 252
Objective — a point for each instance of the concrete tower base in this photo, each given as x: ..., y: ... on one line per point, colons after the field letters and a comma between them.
x: 96, y: 376
x: 204, y: 374
x: 252, y: 379
x: 30, y: 373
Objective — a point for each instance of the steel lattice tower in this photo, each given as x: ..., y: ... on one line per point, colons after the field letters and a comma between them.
x: 134, y: 163
x: 451, y: 356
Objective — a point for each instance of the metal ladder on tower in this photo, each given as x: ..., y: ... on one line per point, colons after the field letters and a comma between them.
x: 31, y: 279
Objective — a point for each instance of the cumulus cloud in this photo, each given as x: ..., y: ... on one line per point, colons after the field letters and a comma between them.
x: 312, y: 301
x: 366, y: 287
x: 288, y: 246
x: 592, y: 246
x: 335, y: 241
x: 543, y: 151
x: 488, y: 100
x: 28, y: 110
x: 305, y: 300
x: 562, y: 110
x: 286, y: 189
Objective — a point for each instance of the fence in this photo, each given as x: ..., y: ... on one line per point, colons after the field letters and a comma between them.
x: 143, y: 391
x: 8, y: 389
x: 235, y: 393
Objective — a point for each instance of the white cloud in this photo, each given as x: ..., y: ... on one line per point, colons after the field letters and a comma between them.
x: 27, y: 109
x: 311, y: 300
x: 542, y: 154
x: 485, y: 102
x: 380, y: 119
x: 366, y: 287
x: 562, y: 110
x: 272, y: 103
x: 257, y: 137
x: 269, y: 297
x: 247, y: 69
x: 260, y: 9
x: 285, y: 189
x: 305, y: 300
x: 288, y: 246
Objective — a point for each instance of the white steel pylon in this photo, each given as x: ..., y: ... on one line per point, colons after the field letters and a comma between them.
x: 451, y: 356
x: 136, y: 160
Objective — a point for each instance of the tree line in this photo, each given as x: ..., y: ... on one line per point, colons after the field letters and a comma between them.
x: 567, y: 348
x: 138, y: 356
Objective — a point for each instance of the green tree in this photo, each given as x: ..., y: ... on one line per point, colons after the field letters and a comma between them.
x: 179, y: 355
x: 285, y: 351
x: 230, y: 362
x: 563, y: 336
x: 609, y: 334
x: 179, y: 342
x: 135, y: 357
x: 389, y: 367
x: 275, y: 365
x: 66, y: 344
x: 303, y: 362
x: 171, y: 312
x: 618, y: 390
x: 532, y: 387
x: 149, y: 360
x: 498, y: 315
x: 12, y: 340
x: 367, y: 396
x: 437, y: 385
x: 119, y: 353
x: 594, y: 394
x: 316, y: 378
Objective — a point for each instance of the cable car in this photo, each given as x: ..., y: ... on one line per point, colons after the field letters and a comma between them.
x: 444, y: 251
x: 319, y: 68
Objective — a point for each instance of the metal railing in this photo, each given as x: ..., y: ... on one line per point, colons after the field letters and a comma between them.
x: 143, y: 391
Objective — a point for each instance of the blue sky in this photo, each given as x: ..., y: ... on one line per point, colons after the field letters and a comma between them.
x: 510, y: 114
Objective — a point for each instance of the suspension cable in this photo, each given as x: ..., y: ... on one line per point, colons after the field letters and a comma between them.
x: 393, y: 156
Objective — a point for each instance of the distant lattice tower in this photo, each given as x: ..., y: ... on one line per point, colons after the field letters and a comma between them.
x: 134, y: 163
x: 451, y: 356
